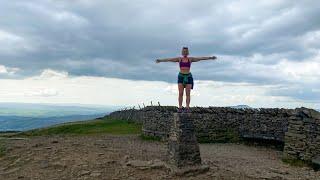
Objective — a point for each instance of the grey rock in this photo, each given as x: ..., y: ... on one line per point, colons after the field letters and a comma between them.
x: 44, y: 164
x: 85, y: 172
x: 95, y: 174
x: 316, y: 162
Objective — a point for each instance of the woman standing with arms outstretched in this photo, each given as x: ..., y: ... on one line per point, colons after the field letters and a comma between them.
x: 185, y: 79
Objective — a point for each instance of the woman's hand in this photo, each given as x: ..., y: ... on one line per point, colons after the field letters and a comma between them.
x: 213, y: 57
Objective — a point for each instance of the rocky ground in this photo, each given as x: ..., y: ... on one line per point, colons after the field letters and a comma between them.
x: 129, y: 157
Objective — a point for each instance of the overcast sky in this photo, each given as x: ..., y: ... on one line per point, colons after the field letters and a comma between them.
x: 103, y: 52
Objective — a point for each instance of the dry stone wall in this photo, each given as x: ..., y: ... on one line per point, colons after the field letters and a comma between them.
x: 298, y: 129
x: 302, y: 140
x: 214, y: 123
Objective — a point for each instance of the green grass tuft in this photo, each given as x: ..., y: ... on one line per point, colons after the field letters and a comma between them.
x: 296, y: 162
x: 2, y: 148
x: 100, y: 126
x: 149, y: 138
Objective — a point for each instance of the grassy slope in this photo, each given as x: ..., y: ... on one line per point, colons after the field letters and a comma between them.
x: 99, y: 126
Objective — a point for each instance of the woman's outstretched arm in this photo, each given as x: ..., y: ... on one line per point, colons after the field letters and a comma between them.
x: 167, y: 60
x: 196, y: 59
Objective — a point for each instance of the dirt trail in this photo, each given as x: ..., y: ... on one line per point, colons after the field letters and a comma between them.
x: 129, y: 157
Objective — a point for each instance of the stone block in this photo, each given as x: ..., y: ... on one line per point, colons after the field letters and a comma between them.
x: 183, y: 148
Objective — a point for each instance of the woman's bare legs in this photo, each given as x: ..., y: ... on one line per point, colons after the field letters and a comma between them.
x: 181, y: 88
x: 188, y: 89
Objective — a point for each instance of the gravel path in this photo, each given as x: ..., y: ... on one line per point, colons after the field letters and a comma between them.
x: 129, y: 157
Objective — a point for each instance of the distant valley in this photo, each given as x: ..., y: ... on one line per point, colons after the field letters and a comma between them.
x: 25, y: 116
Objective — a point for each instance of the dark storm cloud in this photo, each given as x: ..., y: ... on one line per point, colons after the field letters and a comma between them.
x: 123, y: 38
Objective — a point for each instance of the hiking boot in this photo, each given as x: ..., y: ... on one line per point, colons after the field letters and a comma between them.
x: 187, y: 110
x: 179, y: 110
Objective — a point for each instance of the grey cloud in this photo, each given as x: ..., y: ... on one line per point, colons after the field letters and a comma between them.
x: 302, y: 92
x: 123, y: 38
